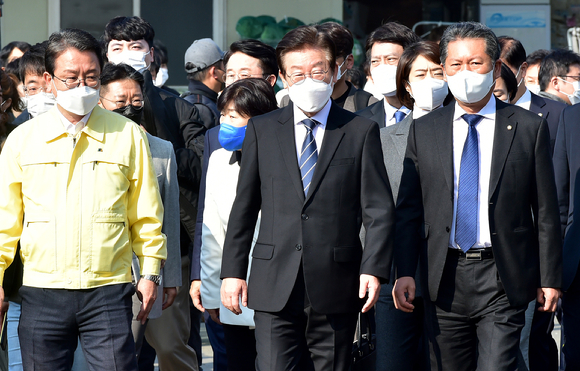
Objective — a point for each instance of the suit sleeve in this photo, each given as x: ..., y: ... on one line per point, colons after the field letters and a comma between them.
x: 409, y: 212
x: 244, y: 214
x: 377, y: 209
x: 545, y: 207
x: 562, y: 172
x: 172, y: 269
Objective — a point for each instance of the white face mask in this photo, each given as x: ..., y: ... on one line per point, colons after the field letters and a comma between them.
x: 429, y: 93
x: 309, y: 95
x: 340, y: 73
x: 40, y: 103
x: 470, y: 87
x: 534, y: 88
x: 574, y: 97
x: 133, y: 58
x: 384, y: 79
x: 517, y: 75
x: 162, y: 77
x: 80, y: 100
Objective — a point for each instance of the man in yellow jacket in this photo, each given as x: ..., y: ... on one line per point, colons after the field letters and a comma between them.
x: 78, y: 190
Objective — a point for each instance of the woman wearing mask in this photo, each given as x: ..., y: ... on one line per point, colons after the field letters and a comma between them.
x: 237, y: 104
x: 10, y: 102
x: 421, y: 85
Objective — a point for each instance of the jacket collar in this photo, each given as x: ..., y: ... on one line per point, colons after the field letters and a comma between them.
x: 95, y: 127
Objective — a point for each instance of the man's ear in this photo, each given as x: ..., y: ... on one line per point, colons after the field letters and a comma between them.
x: 497, y: 69
x: 271, y: 79
x: 48, y: 83
x: 283, y: 78
x: 349, y: 62
x: 555, y: 83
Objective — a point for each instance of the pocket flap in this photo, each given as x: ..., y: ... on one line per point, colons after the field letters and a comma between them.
x: 111, y: 158
x: 263, y: 251
x: 346, y: 254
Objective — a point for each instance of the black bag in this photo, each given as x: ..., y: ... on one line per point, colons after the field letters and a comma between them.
x: 364, y: 355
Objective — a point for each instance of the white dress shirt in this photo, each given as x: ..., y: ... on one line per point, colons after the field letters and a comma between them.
x: 390, y: 113
x: 318, y: 131
x: 525, y: 100
x: 485, y: 133
x: 71, y: 128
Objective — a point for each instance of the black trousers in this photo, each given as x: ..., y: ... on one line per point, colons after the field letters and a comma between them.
x: 240, y: 347
x: 53, y: 319
x: 571, y: 325
x: 299, y: 339
x: 543, y: 351
x: 472, y: 325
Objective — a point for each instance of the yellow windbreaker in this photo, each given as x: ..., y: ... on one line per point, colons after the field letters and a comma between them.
x: 80, y: 205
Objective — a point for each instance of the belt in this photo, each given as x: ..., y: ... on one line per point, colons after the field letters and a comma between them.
x: 473, y: 254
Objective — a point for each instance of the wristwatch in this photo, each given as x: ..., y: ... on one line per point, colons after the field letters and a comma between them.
x: 156, y: 279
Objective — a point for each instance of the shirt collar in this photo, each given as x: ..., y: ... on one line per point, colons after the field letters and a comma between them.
x: 390, y: 110
x: 71, y: 128
x: 488, y: 111
x: 321, y: 116
x: 526, y: 98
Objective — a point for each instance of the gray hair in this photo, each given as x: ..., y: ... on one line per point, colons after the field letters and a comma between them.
x: 470, y: 30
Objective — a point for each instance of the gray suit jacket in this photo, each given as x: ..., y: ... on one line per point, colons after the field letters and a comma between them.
x: 166, y: 171
x: 394, y: 144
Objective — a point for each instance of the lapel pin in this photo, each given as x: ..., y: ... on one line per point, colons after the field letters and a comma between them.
x: 509, y: 127
x: 100, y: 150
x: 540, y: 114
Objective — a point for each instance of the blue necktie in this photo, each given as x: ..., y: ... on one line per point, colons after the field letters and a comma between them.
x: 399, y: 116
x: 467, y: 193
x: 309, y: 155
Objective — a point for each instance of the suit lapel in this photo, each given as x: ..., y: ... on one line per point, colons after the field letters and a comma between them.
x: 287, y: 142
x: 332, y: 136
x: 538, y: 106
x: 505, y: 129
x: 443, y: 127
x: 399, y: 136
x: 379, y: 110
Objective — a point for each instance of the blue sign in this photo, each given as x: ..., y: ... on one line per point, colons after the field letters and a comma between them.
x: 513, y: 19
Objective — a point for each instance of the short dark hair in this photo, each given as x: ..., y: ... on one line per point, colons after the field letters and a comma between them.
x: 340, y: 35
x: 391, y: 32
x: 251, y: 97
x: 128, y: 29
x: 427, y: 49
x: 356, y: 76
x: 8, y: 48
x: 13, y: 68
x: 255, y: 49
x: 557, y: 63
x: 161, y: 49
x: 509, y: 80
x: 61, y: 41
x: 470, y: 30
x: 10, y: 90
x: 32, y: 62
x: 537, y: 56
x: 200, y: 75
x: 117, y: 72
x: 512, y: 51
x: 302, y: 37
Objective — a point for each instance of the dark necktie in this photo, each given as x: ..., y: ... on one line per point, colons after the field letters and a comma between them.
x: 308, y: 155
x: 467, y: 192
x: 399, y: 116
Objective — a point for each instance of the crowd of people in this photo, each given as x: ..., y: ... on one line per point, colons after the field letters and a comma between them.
x: 428, y: 193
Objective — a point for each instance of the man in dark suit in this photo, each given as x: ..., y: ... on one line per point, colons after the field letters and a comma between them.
x: 538, y: 347
x: 567, y: 169
x: 478, y: 191
x: 309, y: 273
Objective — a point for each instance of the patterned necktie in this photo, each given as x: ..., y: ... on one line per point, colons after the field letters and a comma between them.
x: 467, y: 193
x: 309, y: 155
x: 399, y: 116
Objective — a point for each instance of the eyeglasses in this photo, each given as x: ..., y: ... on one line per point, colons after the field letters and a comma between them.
x: 136, y: 103
x: 231, y: 77
x: 575, y: 78
x: 299, y: 77
x: 32, y: 90
x: 71, y: 83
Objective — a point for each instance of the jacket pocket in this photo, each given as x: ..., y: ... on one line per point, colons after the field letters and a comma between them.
x: 110, y: 250
x: 346, y: 254
x: 263, y: 251
x: 38, y: 241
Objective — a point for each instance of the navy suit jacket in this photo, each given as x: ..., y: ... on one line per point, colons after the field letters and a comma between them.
x: 550, y: 110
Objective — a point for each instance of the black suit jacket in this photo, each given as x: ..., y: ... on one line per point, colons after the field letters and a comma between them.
x: 566, y: 167
x: 523, y: 211
x: 320, y: 231
x: 550, y: 110
x: 375, y: 112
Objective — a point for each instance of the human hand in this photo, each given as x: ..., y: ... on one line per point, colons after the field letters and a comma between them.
x: 548, y: 298
x: 231, y: 290
x: 404, y: 294
x: 169, y: 294
x: 372, y: 284
x: 195, y: 293
x: 215, y: 315
x: 147, y: 293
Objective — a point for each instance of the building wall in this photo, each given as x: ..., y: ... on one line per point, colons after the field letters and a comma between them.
x: 24, y: 20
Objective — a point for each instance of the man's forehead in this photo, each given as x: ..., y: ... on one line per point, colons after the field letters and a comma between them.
x: 241, y: 61
x: 140, y: 41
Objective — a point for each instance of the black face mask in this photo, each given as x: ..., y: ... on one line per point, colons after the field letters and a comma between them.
x: 131, y: 112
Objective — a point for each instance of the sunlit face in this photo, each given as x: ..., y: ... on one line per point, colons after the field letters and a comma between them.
x: 501, y: 91
x: 73, y: 64
x: 532, y: 74
x: 422, y: 68
x: 230, y: 116
x: 305, y: 62
x: 565, y: 83
x: 242, y: 66
x: 120, y: 94
x: 385, y: 53
x: 116, y: 47
x: 34, y: 84
x: 469, y: 54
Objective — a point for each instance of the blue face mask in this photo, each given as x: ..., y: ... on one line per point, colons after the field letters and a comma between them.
x: 231, y: 137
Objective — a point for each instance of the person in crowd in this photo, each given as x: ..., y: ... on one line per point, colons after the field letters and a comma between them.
x: 9, y: 101
x: 238, y: 103
x: 559, y: 76
x: 567, y: 169
x: 421, y: 85
x: 88, y: 293
x: 130, y: 40
x: 244, y: 59
x: 206, y: 74
x: 121, y: 92
x: 13, y: 50
x: 493, y: 244
x: 162, y: 59
x: 384, y: 48
x: 13, y: 69
x: 356, y: 77
x: 307, y: 287
x: 534, y: 60
x: 539, y: 350
x: 506, y: 85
